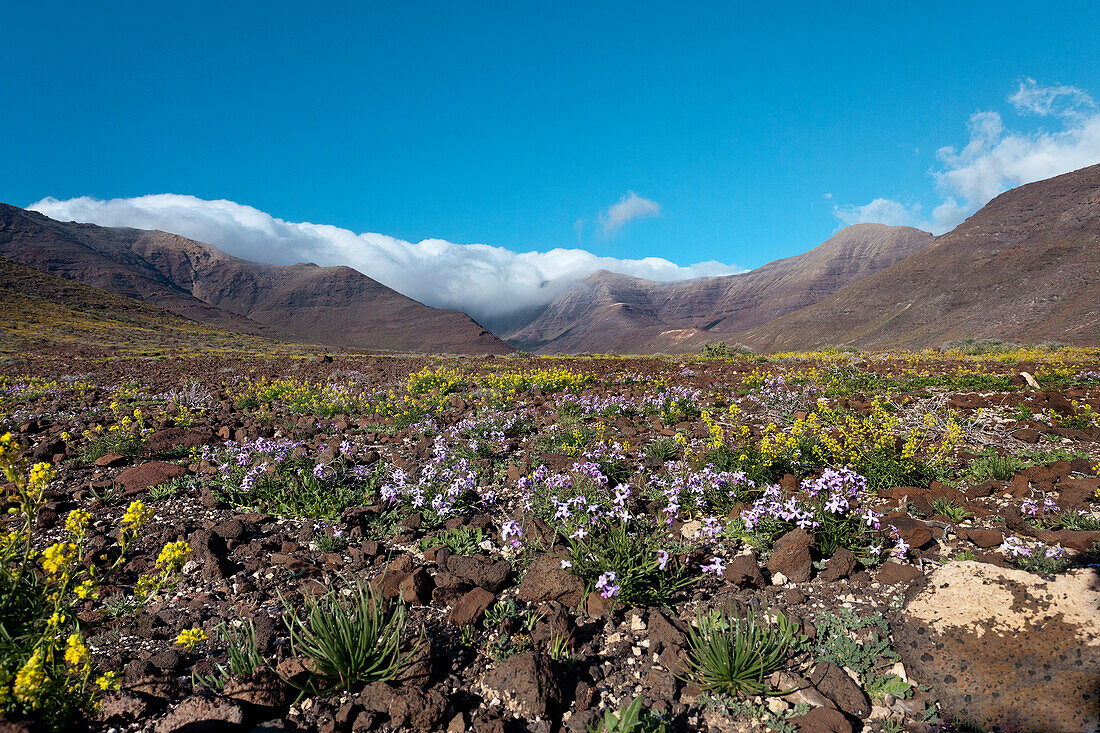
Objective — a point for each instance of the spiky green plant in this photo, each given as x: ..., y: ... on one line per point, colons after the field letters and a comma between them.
x: 733, y: 654
x: 630, y: 719
x: 354, y: 640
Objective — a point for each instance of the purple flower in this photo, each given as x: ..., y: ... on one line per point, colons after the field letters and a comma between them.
x: 662, y: 559
x: 606, y: 584
x: 511, y: 532
x: 716, y: 566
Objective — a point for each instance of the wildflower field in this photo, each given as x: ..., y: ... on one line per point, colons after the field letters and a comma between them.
x: 718, y: 542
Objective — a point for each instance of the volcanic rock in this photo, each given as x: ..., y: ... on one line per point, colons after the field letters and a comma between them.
x: 1006, y: 648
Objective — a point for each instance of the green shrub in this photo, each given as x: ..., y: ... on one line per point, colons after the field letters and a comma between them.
x: 460, y: 540
x: 273, y: 477
x: 348, y: 641
x: 631, y: 718
x: 996, y: 467
x: 243, y: 658
x: 950, y: 509
x: 733, y: 655
x: 626, y: 561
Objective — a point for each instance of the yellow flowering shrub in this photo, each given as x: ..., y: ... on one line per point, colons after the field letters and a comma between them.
x: 876, y: 445
x: 46, y: 667
x: 189, y: 638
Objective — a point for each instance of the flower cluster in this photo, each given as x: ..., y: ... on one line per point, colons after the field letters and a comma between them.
x: 828, y: 507
x: 705, y: 490
x: 607, y: 586
x: 1035, y: 508
x: 443, y: 488
x: 188, y: 639
x: 511, y: 533
x: 778, y: 394
x: 575, y: 500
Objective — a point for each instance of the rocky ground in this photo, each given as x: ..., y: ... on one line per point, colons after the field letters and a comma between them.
x: 554, y: 534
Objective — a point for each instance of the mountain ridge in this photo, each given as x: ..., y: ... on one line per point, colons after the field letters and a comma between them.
x: 609, y: 311
x: 334, y: 306
x: 1041, y: 240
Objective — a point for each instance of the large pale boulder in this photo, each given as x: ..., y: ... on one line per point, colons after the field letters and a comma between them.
x: 1005, y: 648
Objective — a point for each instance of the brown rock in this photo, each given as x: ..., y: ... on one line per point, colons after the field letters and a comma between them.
x: 376, y: 697
x: 417, y: 587
x: 891, y: 573
x: 200, y: 713
x: 595, y: 605
x: 470, y: 608
x: 983, y: 538
x: 839, y: 566
x: 1077, y: 493
x: 1027, y: 435
x: 140, y: 478
x: 415, y: 709
x: 913, y: 531
x: 171, y: 438
x: 526, y: 684
x: 1080, y: 540
x: 744, y: 572
x: 1005, y: 648
x: 822, y: 720
x: 109, y: 460
x: 492, y: 576
x: 122, y: 706
x: 665, y: 632
x: 791, y: 556
x: 263, y: 689
x: 545, y: 581
x: 835, y: 684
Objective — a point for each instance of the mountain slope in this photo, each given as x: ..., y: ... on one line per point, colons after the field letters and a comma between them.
x: 335, y: 306
x: 42, y: 312
x: 626, y: 314
x: 1025, y: 268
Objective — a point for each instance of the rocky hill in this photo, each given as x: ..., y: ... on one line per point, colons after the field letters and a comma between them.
x: 1024, y: 268
x: 51, y: 314
x: 609, y: 312
x: 335, y: 306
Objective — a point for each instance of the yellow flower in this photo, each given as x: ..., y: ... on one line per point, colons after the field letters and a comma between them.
x: 136, y: 515
x: 58, y: 557
x: 76, y: 523
x: 188, y: 638
x: 85, y: 590
x: 107, y: 681
x: 172, y: 556
x: 41, y: 474
x: 76, y: 652
x: 146, y: 586
x: 29, y: 680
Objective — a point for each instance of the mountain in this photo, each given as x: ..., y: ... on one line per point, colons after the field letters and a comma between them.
x: 1024, y: 268
x: 334, y: 306
x: 45, y: 313
x: 609, y: 312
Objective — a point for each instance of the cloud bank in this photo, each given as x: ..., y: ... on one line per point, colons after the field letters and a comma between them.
x: 996, y: 158
x: 629, y: 207
x: 490, y: 283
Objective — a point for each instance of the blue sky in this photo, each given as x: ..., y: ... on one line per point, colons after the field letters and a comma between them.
x: 739, y: 128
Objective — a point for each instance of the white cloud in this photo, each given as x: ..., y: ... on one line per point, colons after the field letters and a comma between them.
x: 485, y: 281
x: 996, y: 158
x: 879, y: 211
x: 1058, y: 99
x: 629, y: 207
